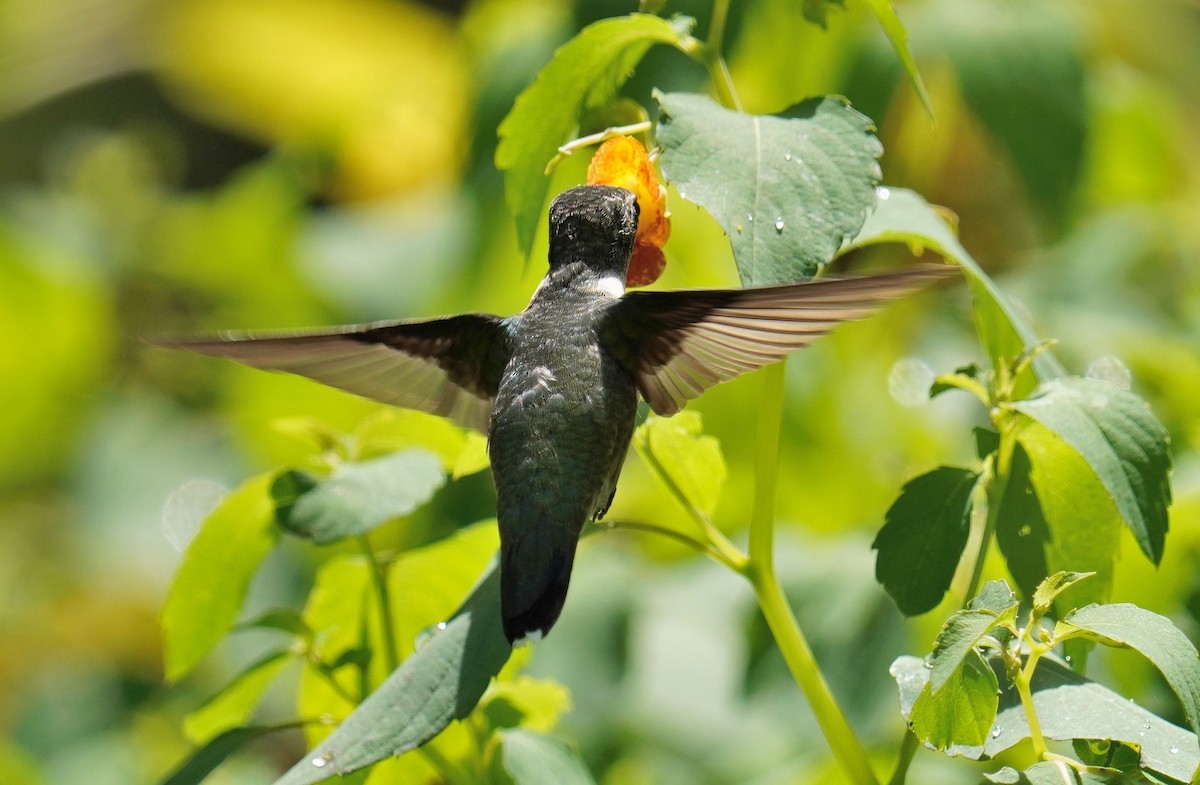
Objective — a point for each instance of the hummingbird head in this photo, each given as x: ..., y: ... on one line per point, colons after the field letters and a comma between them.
x: 595, y: 225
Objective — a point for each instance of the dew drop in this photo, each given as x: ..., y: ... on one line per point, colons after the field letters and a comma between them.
x: 996, y: 733
x: 1173, y: 750
x: 779, y: 224
x: 1110, y: 369
x: 909, y: 382
x: 323, y: 761
x: 426, y: 635
x: 787, y: 156
x: 750, y: 217
x: 1068, y: 659
x: 883, y: 194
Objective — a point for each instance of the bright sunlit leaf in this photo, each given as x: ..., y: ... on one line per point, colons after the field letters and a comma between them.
x: 215, y: 574
x: 585, y: 73
x: 1123, y: 443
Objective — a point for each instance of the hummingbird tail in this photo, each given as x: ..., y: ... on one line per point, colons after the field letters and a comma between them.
x: 534, y: 576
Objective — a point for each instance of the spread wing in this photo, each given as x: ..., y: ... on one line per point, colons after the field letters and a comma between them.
x: 678, y: 344
x: 450, y: 367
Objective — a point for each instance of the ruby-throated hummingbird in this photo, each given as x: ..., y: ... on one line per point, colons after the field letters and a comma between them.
x: 556, y: 387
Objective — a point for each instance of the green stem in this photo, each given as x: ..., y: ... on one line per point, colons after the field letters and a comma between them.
x: 379, y: 583
x: 1022, y: 681
x: 734, y: 560
x: 761, y: 571
x: 908, y: 748
x: 997, y: 486
x: 726, y: 551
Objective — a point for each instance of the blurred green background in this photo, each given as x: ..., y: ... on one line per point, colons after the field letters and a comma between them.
x: 169, y: 166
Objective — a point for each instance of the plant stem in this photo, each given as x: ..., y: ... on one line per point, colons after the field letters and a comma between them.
x: 761, y: 571
x: 1022, y: 680
x: 379, y: 583
x: 726, y: 552
x: 733, y: 559
x: 908, y: 748
x: 997, y: 486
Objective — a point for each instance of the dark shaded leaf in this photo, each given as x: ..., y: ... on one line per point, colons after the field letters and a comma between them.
x: 1021, y: 529
x: 788, y: 190
x: 923, y: 536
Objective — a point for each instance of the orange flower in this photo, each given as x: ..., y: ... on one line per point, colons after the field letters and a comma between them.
x: 622, y: 161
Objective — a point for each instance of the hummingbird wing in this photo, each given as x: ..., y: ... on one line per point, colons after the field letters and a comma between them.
x: 450, y: 367
x: 679, y: 344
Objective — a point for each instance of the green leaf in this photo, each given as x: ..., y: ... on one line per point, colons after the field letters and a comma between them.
x: 1068, y: 707
x: 391, y: 430
x: 281, y: 619
x: 1021, y: 529
x: 427, y: 584
x: 962, y: 714
x: 923, y: 537
x: 1059, y: 773
x: 1056, y: 584
x: 214, y: 576
x: 902, y: 216
x: 584, y: 74
x: 684, y: 456
x: 1123, y: 443
x: 815, y: 10
x: 534, y: 704
x: 996, y: 606
x: 335, y: 611
x: 788, y: 190
x: 1083, y: 527
x: 442, y: 681
x: 1151, y: 635
x: 233, y: 705
x: 533, y: 759
x: 357, y: 497
x: 203, y: 761
x: 893, y: 28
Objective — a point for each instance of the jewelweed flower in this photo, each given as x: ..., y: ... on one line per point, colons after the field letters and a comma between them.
x: 622, y: 161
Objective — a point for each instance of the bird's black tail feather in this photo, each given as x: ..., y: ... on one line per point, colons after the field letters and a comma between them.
x: 534, y: 577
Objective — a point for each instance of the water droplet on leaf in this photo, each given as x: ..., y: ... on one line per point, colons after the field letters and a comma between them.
x: 323, y: 761
x: 750, y: 217
x: 787, y: 156
x: 779, y: 224
x: 883, y: 194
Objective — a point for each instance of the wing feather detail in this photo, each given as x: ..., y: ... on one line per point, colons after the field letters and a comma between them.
x: 679, y: 344
x: 449, y: 367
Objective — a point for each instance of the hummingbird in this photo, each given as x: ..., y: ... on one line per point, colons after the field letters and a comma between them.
x: 555, y: 387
